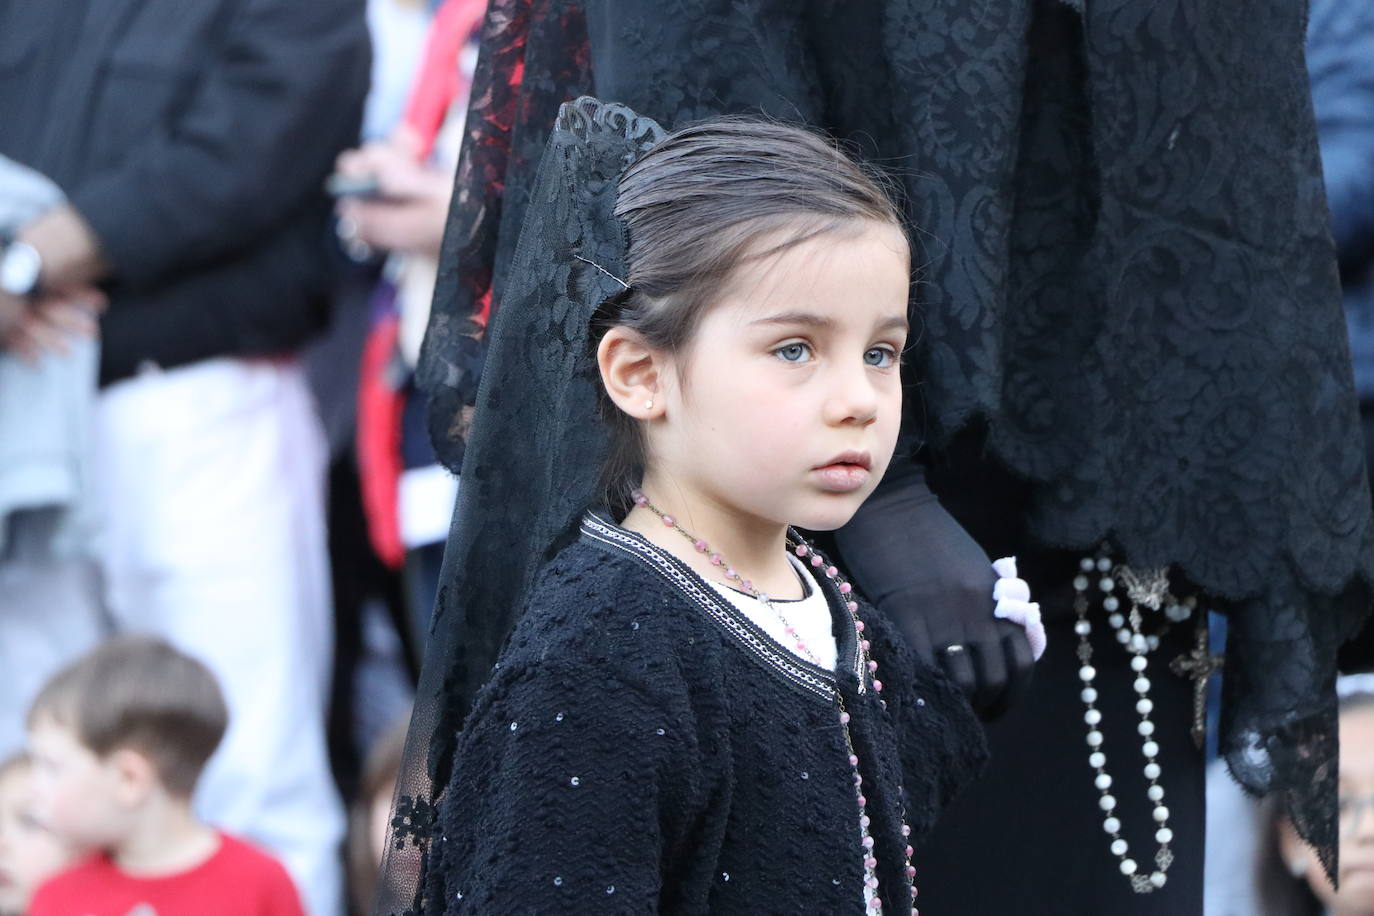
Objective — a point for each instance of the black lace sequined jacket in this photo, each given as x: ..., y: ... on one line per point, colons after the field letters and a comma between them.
x: 643, y: 747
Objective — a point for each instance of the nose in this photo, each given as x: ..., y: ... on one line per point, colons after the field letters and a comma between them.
x: 852, y: 395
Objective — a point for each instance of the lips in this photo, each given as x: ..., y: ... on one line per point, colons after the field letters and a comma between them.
x: 850, y: 458
x: 846, y: 472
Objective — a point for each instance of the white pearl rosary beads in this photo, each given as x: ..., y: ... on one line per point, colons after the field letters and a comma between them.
x: 1127, y: 627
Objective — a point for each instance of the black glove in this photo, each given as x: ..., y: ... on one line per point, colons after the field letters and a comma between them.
x: 922, y: 569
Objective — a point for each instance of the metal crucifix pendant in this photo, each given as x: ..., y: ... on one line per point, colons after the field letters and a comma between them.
x: 1199, y: 664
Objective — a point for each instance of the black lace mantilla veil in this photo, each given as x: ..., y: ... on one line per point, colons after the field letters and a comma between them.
x: 1128, y: 277
x: 529, y: 481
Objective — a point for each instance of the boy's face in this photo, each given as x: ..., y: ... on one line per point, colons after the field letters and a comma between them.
x: 78, y: 795
x: 29, y: 852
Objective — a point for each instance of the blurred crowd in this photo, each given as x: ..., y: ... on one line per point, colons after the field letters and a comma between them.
x: 220, y: 225
x: 221, y: 521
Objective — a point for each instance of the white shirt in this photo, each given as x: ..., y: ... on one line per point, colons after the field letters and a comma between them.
x: 809, y: 616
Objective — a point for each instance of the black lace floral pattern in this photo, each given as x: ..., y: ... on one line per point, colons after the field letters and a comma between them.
x: 1125, y: 269
x: 526, y: 483
x: 533, y: 55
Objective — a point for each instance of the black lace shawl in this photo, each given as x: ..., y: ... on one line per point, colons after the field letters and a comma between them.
x: 1127, y: 274
x: 531, y: 472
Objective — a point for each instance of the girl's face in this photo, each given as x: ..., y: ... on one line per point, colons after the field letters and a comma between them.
x: 784, y: 407
x: 29, y: 852
x: 1356, y: 895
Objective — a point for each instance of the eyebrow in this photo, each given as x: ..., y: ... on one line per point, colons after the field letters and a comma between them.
x: 824, y: 322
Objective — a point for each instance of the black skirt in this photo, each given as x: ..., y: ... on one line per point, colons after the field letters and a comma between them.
x: 1027, y: 837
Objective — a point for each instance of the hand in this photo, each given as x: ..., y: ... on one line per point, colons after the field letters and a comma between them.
x: 390, y: 162
x: 410, y: 210
x: 49, y: 324
x: 912, y: 559
x: 72, y: 257
x: 12, y: 311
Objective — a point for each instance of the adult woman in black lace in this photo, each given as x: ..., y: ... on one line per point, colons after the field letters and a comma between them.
x: 1129, y: 302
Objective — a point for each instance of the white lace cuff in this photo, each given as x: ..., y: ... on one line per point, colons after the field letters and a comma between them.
x: 1012, y: 595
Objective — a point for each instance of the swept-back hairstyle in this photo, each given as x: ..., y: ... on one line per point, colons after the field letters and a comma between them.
x: 139, y: 693
x: 705, y: 200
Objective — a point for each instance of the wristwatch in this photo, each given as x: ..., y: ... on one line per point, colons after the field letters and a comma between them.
x: 21, y: 268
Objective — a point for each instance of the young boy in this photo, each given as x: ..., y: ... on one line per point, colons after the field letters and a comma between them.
x: 29, y: 853
x: 118, y: 740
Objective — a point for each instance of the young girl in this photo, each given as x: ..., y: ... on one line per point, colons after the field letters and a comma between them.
x: 696, y: 712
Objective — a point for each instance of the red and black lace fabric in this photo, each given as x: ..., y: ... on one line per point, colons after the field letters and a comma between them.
x: 533, y: 57
x: 1126, y: 272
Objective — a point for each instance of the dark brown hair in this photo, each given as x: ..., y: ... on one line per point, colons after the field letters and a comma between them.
x: 139, y: 693
x: 700, y: 204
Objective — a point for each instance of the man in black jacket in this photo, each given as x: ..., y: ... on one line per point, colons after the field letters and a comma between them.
x: 191, y: 139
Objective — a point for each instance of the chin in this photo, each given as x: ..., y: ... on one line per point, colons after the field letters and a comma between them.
x: 835, y: 513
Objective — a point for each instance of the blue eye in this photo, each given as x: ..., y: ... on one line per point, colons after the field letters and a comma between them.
x: 880, y: 357
x: 793, y: 353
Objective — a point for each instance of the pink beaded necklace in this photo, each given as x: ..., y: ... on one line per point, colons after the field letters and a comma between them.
x: 804, y: 551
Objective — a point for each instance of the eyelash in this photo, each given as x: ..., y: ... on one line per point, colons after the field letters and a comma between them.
x: 892, y: 356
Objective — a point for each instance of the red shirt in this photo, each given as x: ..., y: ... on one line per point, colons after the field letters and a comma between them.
x: 238, y: 880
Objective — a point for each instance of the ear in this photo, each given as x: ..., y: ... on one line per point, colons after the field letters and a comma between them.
x: 135, y: 777
x: 632, y: 372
